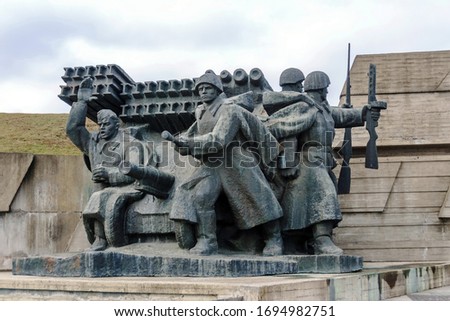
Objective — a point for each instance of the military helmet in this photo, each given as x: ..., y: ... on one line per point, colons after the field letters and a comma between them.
x: 209, y: 78
x: 316, y: 80
x: 291, y: 76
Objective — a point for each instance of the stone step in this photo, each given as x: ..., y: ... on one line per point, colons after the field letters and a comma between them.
x: 377, y: 281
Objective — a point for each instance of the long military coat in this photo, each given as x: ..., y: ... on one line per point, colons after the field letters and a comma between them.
x: 235, y: 147
x: 311, y: 197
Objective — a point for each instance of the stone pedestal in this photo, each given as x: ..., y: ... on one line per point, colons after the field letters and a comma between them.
x: 166, y: 259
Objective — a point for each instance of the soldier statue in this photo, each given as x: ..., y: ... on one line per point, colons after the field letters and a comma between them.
x: 122, y: 166
x: 310, y: 202
x: 237, y: 155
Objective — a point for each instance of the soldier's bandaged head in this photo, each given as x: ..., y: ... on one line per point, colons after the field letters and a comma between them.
x: 107, y: 114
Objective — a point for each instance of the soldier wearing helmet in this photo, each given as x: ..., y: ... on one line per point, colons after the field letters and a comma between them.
x: 310, y: 203
x: 218, y: 138
x: 292, y: 79
x: 316, y: 83
x: 211, y: 79
x: 316, y: 80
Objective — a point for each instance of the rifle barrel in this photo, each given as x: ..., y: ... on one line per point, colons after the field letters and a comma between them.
x: 345, y: 173
x: 348, y: 85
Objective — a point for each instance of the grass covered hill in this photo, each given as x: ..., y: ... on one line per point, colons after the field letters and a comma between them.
x: 36, y: 134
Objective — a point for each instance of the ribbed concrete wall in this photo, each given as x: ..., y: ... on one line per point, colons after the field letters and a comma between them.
x: 398, y: 212
x: 416, y: 87
x: 401, y: 212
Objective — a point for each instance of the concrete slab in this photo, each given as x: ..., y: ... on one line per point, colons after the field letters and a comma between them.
x: 377, y: 281
x: 437, y: 294
x: 13, y: 168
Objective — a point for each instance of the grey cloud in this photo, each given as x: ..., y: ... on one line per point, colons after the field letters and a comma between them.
x: 40, y: 33
x: 212, y: 31
x: 35, y: 37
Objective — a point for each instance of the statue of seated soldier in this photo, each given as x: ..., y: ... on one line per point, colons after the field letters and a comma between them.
x: 123, y: 170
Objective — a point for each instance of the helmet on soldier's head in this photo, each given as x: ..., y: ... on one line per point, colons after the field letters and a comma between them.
x: 291, y: 76
x: 209, y: 78
x: 316, y: 80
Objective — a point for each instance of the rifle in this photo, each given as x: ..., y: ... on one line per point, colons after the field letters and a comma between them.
x: 346, y: 149
x: 371, y: 149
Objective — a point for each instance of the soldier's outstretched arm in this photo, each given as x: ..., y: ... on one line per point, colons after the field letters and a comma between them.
x: 76, y: 123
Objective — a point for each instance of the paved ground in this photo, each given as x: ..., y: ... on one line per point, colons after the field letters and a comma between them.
x: 437, y: 294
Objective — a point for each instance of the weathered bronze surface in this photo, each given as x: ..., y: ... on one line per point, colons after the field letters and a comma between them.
x: 220, y: 165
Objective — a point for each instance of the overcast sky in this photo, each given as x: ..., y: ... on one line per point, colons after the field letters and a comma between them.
x: 175, y: 39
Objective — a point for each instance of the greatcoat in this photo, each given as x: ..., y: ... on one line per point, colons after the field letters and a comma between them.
x: 237, y: 151
x: 311, y: 197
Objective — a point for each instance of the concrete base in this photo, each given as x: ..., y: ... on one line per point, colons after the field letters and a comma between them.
x: 167, y: 259
x: 377, y: 281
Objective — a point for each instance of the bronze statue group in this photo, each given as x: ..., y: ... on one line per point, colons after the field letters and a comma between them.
x: 275, y: 173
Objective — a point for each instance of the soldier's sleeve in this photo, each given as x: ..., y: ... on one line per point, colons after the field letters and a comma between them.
x: 76, y: 127
x: 347, y: 117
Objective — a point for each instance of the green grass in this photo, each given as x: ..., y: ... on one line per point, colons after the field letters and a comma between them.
x: 36, y: 134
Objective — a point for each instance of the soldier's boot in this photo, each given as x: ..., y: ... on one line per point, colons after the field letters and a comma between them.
x: 323, y: 243
x: 100, y: 242
x: 206, y: 234
x: 273, y: 240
